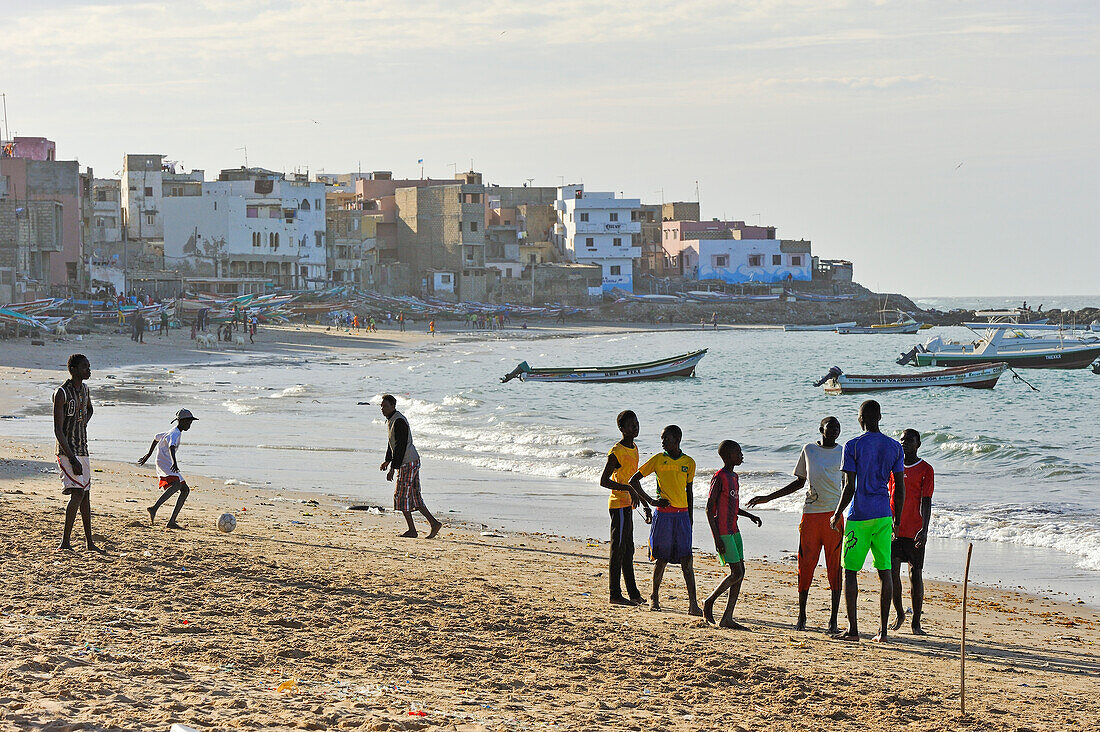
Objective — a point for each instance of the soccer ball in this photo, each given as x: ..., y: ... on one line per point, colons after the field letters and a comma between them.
x: 227, y: 522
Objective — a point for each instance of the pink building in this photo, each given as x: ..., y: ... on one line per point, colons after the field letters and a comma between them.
x: 680, y: 240
x: 34, y: 174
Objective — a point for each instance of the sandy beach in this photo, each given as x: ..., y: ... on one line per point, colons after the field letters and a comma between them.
x: 310, y: 615
x: 313, y: 616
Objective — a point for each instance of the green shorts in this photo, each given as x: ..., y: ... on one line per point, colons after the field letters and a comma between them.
x: 873, y: 535
x: 733, y: 550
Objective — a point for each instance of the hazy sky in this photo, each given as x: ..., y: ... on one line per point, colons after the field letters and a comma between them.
x: 946, y: 147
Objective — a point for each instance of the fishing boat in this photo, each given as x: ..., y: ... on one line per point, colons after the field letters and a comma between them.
x: 1013, y: 346
x: 829, y: 328
x: 977, y: 376
x: 682, y: 365
x: 903, y: 323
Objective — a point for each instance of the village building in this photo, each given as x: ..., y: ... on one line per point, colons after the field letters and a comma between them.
x: 598, y: 228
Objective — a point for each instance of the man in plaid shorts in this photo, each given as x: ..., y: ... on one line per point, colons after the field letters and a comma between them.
x: 402, y: 458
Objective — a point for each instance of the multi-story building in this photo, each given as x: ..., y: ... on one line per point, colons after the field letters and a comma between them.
x: 106, y: 205
x: 351, y: 240
x: 146, y: 181
x: 597, y: 228
x: 680, y: 240
x: 34, y: 173
x: 770, y: 261
x: 249, y: 224
x: 441, y: 233
x: 30, y: 233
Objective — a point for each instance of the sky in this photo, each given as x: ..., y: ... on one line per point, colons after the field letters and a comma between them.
x: 946, y: 147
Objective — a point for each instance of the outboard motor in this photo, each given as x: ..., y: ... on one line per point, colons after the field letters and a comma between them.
x: 833, y: 373
x: 907, y: 356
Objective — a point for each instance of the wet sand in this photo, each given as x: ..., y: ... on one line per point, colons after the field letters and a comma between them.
x: 315, y: 617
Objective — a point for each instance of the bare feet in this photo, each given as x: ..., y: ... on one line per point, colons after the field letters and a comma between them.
x: 620, y: 600
x: 637, y: 600
x: 654, y: 603
x: 64, y: 547
x: 93, y: 548
x: 917, y: 630
x: 834, y: 629
x: 847, y: 635
x: 152, y: 515
x: 410, y: 534
x: 899, y: 621
x: 696, y: 611
x: 174, y: 525
x: 801, y: 624
x: 732, y: 625
x: 881, y: 637
x: 435, y: 529
x: 708, y: 610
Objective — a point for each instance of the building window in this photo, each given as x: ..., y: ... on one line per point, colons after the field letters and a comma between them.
x: 150, y: 218
x: 255, y: 239
x: 252, y: 212
x: 756, y: 260
x: 584, y: 217
x: 101, y: 195
x: 304, y: 205
x: 721, y: 260
x: 777, y: 259
x: 317, y: 203
x: 590, y: 242
x: 320, y: 238
x: 276, y: 245
x: 617, y: 241
x: 473, y: 226
x: 613, y: 216
x: 215, y: 205
x: 355, y: 224
x: 796, y: 261
x: 616, y: 269
x: 148, y: 191
x: 445, y: 279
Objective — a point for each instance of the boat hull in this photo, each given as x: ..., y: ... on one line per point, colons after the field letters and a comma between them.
x: 1077, y: 358
x: 905, y: 328
x: 676, y: 366
x: 828, y: 328
x: 981, y: 376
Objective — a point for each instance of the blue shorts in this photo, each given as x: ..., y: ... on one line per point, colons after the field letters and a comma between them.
x: 670, y: 537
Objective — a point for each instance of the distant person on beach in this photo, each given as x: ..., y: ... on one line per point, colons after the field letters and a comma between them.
x: 714, y: 320
x: 253, y: 324
x: 164, y: 322
x: 869, y: 460
x: 723, y: 508
x: 431, y: 327
x: 818, y: 466
x: 622, y: 464
x: 168, y: 471
x: 670, y: 535
x: 139, y: 326
x: 72, y: 410
x: 912, y: 537
x: 401, y: 322
x: 403, y: 459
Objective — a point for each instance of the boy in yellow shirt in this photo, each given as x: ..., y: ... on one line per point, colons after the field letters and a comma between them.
x: 670, y: 535
x: 622, y: 463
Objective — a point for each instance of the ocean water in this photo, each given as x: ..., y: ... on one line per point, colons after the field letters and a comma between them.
x: 1062, y: 302
x: 1016, y: 469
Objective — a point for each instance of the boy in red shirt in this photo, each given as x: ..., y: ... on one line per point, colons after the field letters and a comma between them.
x: 912, y: 535
x: 723, y: 508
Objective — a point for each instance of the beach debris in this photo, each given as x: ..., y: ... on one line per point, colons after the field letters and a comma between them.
x: 177, y: 727
x: 493, y: 534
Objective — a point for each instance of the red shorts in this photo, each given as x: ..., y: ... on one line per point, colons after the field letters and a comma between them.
x: 169, y: 480
x: 816, y: 535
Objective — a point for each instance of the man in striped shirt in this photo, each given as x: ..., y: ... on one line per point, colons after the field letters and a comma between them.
x: 72, y: 410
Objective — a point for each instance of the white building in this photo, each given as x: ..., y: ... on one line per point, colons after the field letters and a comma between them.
x: 250, y: 224
x: 774, y: 261
x: 597, y: 228
x: 146, y: 181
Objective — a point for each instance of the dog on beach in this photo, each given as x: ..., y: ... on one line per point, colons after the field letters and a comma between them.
x: 239, y: 342
x: 206, y: 340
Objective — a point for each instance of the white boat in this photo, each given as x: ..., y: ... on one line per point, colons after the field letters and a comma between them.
x: 1013, y: 346
x: 830, y: 328
x: 976, y: 376
x: 682, y: 365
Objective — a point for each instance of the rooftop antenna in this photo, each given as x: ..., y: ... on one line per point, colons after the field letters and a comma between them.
x: 757, y: 218
x: 454, y: 169
x: 662, y: 192
x: 562, y: 179
x: 529, y: 181
x: 697, y: 191
x: 7, y: 135
x: 245, y: 148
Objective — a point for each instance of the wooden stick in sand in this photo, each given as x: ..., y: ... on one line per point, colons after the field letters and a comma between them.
x: 962, y: 648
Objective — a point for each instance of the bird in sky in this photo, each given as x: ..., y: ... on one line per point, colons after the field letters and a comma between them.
x: 958, y: 166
